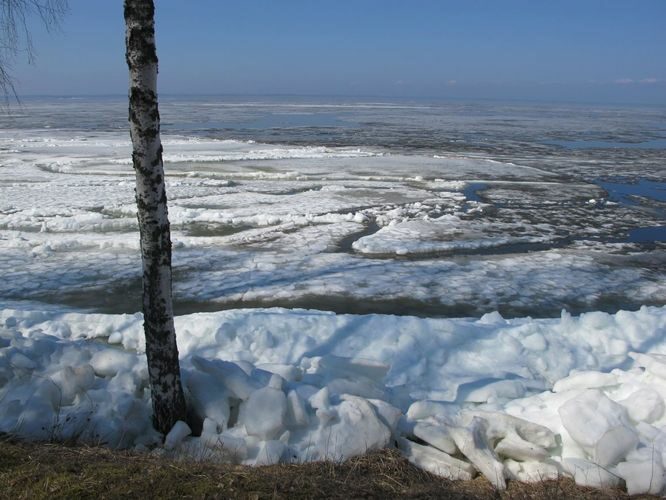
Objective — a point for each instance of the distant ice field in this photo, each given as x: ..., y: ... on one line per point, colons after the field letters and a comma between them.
x: 444, y: 209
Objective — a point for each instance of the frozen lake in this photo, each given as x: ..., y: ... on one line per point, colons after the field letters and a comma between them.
x: 429, y: 209
x: 471, y: 216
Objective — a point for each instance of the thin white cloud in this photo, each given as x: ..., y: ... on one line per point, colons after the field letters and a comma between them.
x: 625, y: 81
x: 632, y: 81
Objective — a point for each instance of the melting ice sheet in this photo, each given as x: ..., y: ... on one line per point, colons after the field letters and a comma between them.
x: 341, y: 228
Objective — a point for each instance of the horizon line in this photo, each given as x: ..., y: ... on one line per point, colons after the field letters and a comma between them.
x: 525, y: 100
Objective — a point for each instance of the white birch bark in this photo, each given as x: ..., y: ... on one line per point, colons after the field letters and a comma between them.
x: 161, y: 350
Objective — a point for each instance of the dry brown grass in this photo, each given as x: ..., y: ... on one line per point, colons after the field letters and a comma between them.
x: 39, y: 470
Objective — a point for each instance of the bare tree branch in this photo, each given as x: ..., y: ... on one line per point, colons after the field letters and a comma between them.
x: 15, y: 38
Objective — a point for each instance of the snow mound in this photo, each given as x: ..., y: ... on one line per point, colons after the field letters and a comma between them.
x: 270, y: 386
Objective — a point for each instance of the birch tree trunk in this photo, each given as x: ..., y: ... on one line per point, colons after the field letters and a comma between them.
x: 161, y: 350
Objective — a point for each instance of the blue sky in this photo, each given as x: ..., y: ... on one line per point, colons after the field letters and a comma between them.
x: 585, y: 50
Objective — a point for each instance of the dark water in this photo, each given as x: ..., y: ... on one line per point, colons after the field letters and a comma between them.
x: 627, y: 192
x: 592, y: 144
x: 647, y: 234
x: 472, y: 190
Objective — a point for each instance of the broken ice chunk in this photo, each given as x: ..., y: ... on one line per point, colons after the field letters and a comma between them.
x: 355, y: 431
x: 264, y: 414
x: 270, y: 452
x: 209, y: 428
x: 531, y: 471
x: 644, y: 405
x: 109, y: 362
x: 600, y: 426
x: 387, y: 413
x: 209, y: 398
x: 235, y: 446
x: 320, y: 399
x: 471, y: 441
x: 354, y: 367
x: 358, y: 387
x: 585, y: 380
x: 653, y: 363
x: 515, y: 447
x: 614, y: 445
x: 178, y: 432
x: 230, y: 374
x: 424, y: 409
x: 501, y: 425
x: 72, y: 381
x: 643, y: 472
x: 498, y: 389
x: 435, y: 461
x: 290, y: 373
x: 297, y: 413
x: 435, y: 435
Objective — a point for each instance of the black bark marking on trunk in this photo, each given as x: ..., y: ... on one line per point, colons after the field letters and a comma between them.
x: 144, y: 103
x: 140, y: 22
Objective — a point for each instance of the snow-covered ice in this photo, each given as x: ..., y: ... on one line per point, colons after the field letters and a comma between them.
x: 350, y: 228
